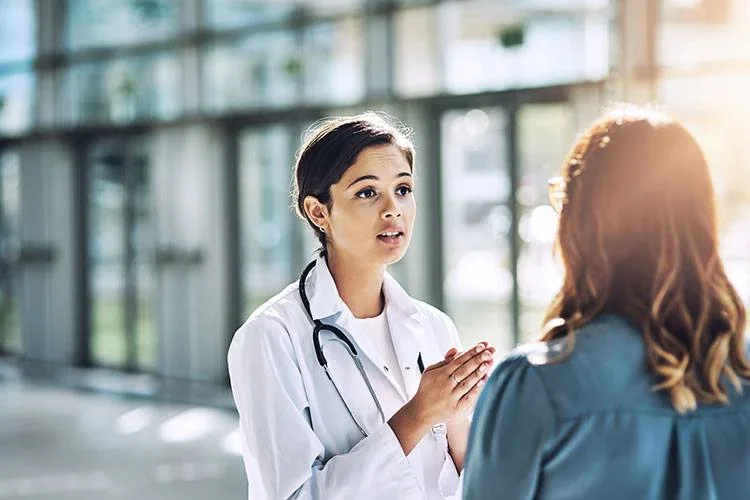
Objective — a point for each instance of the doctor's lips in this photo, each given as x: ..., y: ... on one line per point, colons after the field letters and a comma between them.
x: 391, y: 235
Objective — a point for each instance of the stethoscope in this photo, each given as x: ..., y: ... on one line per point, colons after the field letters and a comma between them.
x: 348, y: 344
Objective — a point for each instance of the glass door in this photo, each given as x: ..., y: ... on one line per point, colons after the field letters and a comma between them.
x: 545, y: 132
x: 270, y: 255
x: 10, y: 328
x: 120, y: 250
x: 477, y: 224
x: 499, y: 270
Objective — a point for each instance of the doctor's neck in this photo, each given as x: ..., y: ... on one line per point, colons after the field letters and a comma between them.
x: 360, y: 284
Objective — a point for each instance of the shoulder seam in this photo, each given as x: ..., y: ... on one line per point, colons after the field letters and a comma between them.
x: 550, y: 401
x: 259, y: 312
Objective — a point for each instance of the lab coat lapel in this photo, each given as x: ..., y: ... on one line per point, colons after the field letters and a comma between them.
x: 369, y: 351
x: 407, y: 334
x: 322, y: 292
x: 406, y: 323
x: 327, y: 306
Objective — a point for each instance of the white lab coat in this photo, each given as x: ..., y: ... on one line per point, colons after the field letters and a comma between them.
x: 298, y: 439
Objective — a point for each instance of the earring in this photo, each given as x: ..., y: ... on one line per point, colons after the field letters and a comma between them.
x: 322, y: 229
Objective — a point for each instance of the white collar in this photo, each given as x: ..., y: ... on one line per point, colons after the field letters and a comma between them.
x: 326, y: 302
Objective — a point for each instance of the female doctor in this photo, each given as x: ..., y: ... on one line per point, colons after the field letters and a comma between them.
x: 346, y: 387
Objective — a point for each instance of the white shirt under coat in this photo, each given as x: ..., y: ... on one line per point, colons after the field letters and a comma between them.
x: 298, y: 440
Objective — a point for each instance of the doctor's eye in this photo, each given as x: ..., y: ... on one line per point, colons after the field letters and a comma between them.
x: 404, y: 190
x: 366, y: 193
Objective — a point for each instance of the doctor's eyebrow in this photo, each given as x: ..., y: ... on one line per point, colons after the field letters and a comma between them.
x: 371, y: 177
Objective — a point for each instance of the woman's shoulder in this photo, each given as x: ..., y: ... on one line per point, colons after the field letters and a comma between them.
x: 269, y: 320
x: 597, y: 369
x: 518, y: 383
x: 277, y: 307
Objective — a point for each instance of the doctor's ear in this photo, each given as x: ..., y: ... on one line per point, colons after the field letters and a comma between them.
x: 316, y: 211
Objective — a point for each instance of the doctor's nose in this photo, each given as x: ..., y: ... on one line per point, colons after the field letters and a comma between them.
x: 392, y: 209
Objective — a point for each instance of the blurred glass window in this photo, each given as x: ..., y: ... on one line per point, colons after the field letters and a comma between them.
x: 413, y: 3
x: 694, y: 32
x: 95, y: 23
x: 120, y: 250
x: 321, y: 64
x: 417, y: 58
x: 17, y: 30
x: 228, y: 14
x: 17, y: 91
x: 333, y: 63
x: 715, y: 107
x: 333, y: 7
x: 481, y: 45
x: 266, y: 219
x: 261, y: 70
x: 476, y: 221
x: 545, y: 133
x: 10, y: 215
x: 124, y: 90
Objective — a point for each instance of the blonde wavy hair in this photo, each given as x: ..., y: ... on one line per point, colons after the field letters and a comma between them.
x: 638, y: 237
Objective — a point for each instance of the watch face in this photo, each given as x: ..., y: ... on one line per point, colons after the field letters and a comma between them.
x: 438, y: 430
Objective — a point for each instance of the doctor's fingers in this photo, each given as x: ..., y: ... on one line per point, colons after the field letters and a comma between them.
x: 449, y: 356
x: 465, y: 384
x: 466, y: 356
x: 452, y: 353
x: 463, y: 370
x: 454, y: 359
x: 467, y: 401
x: 437, y: 366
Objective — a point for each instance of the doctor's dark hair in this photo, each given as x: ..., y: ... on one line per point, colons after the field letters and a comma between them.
x: 332, y: 146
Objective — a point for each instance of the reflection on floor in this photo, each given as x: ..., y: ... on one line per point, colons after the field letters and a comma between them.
x: 66, y: 444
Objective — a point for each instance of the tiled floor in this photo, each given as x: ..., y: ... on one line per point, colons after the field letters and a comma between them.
x: 68, y: 444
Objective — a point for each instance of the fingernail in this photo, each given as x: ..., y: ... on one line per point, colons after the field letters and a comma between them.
x: 486, y: 355
x: 479, y: 348
x: 480, y: 383
x: 483, y: 367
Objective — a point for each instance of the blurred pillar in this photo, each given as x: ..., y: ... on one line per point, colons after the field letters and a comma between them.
x: 192, y: 15
x: 634, y: 46
x: 193, y: 302
x: 50, y: 25
x: 587, y: 104
x: 45, y: 252
x: 379, y: 49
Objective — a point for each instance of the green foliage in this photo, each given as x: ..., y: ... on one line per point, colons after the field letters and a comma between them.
x: 293, y: 66
x: 512, y: 36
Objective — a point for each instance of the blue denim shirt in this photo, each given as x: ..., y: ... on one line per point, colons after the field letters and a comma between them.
x: 591, y: 427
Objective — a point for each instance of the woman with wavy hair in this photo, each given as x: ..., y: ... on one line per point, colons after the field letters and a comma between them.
x: 635, y: 390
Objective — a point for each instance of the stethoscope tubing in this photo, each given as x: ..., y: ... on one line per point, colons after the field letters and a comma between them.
x: 341, y: 337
